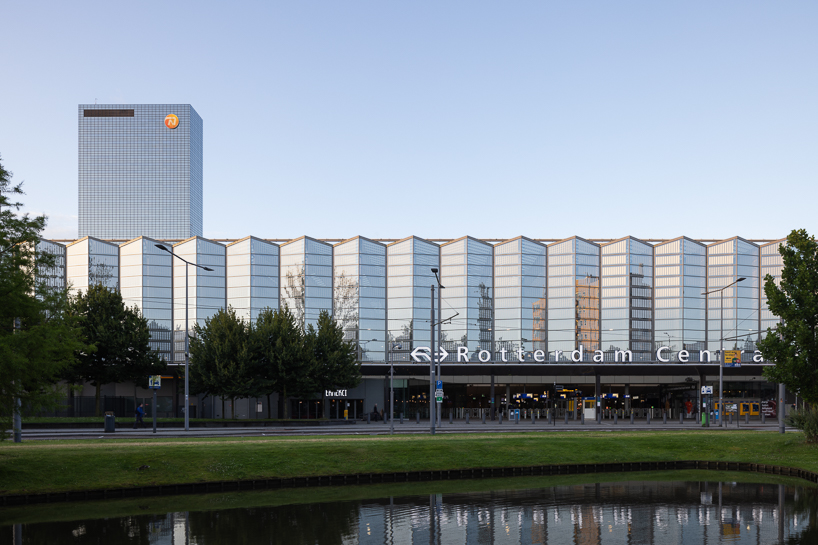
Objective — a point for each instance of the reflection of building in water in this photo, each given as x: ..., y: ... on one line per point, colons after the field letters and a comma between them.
x: 623, y: 513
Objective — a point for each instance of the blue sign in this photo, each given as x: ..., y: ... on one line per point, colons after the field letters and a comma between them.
x: 439, y: 385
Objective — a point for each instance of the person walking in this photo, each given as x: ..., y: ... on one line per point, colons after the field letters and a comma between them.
x: 140, y: 414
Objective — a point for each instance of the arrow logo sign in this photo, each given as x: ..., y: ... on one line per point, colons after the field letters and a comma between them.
x: 421, y: 354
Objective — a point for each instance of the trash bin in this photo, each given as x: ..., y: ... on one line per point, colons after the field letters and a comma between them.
x: 110, y: 422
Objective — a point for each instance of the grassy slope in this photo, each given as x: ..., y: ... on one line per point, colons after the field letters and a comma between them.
x: 76, y: 465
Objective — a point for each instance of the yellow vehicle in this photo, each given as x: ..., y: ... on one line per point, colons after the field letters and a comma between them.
x: 753, y: 408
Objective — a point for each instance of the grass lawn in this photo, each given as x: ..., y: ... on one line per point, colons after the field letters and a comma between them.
x: 54, y: 466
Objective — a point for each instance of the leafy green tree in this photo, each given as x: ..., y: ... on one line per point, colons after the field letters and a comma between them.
x: 220, y: 362
x: 38, y: 338
x: 793, y: 344
x: 335, y: 363
x: 283, y: 356
x: 120, y: 337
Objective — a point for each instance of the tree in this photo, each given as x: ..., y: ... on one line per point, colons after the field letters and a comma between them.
x: 120, y: 337
x: 38, y: 338
x: 335, y: 364
x: 283, y: 355
x: 793, y: 344
x: 220, y: 363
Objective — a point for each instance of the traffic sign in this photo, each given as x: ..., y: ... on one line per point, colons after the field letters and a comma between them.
x: 155, y: 382
x: 707, y: 390
x: 439, y: 399
x: 438, y: 393
x: 439, y: 385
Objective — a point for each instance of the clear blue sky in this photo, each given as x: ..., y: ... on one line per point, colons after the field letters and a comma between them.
x: 440, y: 119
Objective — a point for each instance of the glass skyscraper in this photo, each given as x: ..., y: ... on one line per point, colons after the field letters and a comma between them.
x: 140, y: 171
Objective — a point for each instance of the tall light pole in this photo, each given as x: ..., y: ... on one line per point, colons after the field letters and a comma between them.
x: 187, y: 333
x: 391, y: 383
x: 721, y: 345
x: 439, y: 338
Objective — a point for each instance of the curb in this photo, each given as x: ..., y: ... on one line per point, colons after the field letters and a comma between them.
x: 398, y: 477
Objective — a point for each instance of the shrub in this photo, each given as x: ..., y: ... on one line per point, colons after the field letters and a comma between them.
x: 805, y: 420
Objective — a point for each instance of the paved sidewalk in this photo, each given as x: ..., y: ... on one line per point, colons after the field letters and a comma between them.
x: 407, y: 428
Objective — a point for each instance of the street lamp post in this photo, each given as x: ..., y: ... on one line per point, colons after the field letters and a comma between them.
x: 187, y: 333
x: 439, y: 338
x: 721, y: 346
x: 391, y: 384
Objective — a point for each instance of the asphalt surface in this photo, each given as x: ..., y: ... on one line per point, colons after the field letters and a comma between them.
x: 381, y: 428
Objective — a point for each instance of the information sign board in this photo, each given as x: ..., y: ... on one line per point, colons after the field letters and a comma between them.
x: 155, y: 382
x: 707, y: 390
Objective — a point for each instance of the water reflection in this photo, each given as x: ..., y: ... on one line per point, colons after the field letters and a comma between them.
x: 627, y: 513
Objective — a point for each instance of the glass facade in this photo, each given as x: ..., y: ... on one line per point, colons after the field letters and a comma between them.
x: 519, y: 300
x: 54, y: 275
x: 627, y: 300
x: 679, y: 306
x: 252, y: 277
x: 206, y: 289
x: 467, y: 298
x: 727, y: 261
x: 573, y: 299
x: 91, y: 261
x: 306, y: 279
x: 146, y: 280
x: 771, y: 263
x: 409, y: 274
x: 568, y: 302
x: 137, y: 176
x: 359, y: 289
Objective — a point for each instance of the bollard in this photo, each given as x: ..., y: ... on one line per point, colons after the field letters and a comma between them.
x: 648, y: 418
x: 484, y: 417
x: 566, y: 416
x: 368, y: 415
x: 746, y: 418
x: 385, y: 417
x: 401, y: 418
x: 731, y: 418
x: 516, y: 418
x: 468, y: 414
x: 582, y: 418
x: 681, y: 418
x: 417, y: 416
x: 500, y: 417
x: 664, y: 417
x: 763, y: 418
x: 616, y: 418
x: 450, y: 417
x: 532, y: 417
x: 631, y: 417
x: 550, y: 416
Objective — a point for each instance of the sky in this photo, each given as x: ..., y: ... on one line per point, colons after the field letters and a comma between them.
x: 440, y: 119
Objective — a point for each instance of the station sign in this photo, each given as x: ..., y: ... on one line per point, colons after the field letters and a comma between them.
x: 335, y: 393
x: 707, y: 390
x: 155, y: 382
x: 663, y: 354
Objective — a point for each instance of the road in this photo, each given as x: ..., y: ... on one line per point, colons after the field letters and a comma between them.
x: 381, y: 428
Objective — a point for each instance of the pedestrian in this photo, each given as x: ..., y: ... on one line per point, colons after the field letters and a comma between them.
x: 140, y: 413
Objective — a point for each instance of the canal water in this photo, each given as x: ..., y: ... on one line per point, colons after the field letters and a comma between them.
x: 652, y: 508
